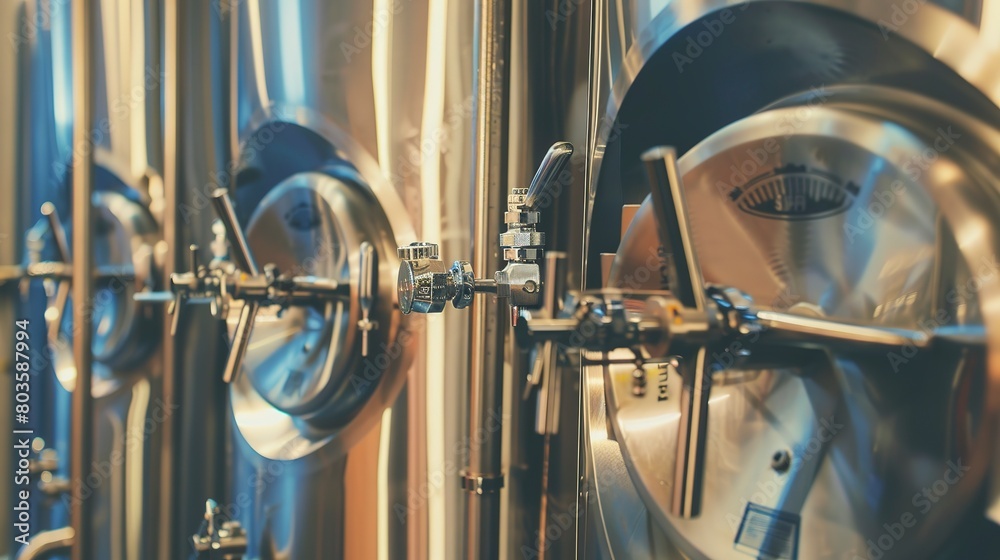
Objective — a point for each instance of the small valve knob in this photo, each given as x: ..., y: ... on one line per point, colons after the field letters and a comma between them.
x: 424, y: 283
x: 418, y: 250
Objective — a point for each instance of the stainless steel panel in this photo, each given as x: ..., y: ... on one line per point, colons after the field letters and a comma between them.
x: 649, y: 89
x: 384, y: 86
x: 128, y: 416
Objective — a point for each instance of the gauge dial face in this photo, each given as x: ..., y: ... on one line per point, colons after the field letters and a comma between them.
x: 836, y: 220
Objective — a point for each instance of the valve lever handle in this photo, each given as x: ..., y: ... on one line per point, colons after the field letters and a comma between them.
x: 553, y: 163
x: 366, y: 292
x: 692, y: 436
x: 366, y: 287
x: 234, y: 233
x: 58, y: 305
x: 58, y: 232
x: 671, y: 212
x: 241, y: 341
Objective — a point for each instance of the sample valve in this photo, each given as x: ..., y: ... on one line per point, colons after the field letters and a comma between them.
x: 425, y: 284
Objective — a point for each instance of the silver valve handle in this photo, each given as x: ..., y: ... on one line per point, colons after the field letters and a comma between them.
x: 57, y: 307
x: 673, y: 224
x: 425, y: 285
x: 218, y: 283
x: 234, y: 233
x: 58, y: 232
x: 547, y: 175
x: 366, y: 292
x: 671, y: 212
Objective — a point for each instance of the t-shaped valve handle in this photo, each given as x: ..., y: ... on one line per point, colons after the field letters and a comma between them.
x: 425, y: 285
x: 218, y: 283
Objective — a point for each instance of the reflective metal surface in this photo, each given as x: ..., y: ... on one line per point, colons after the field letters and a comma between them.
x: 11, y: 199
x: 844, y: 421
x: 115, y: 67
x: 305, y: 361
x: 383, y: 88
x: 649, y: 89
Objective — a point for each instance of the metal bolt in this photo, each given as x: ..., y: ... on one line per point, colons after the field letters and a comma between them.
x: 781, y: 460
x: 639, y: 381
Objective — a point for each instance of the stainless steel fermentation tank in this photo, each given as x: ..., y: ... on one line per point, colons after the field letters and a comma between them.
x: 108, y: 439
x: 350, y: 127
x: 840, y: 161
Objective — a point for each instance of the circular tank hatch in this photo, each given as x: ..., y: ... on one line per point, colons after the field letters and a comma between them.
x: 305, y: 361
x: 841, y: 218
x: 124, y: 331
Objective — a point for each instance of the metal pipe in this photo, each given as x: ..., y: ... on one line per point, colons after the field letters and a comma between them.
x: 670, y: 209
x: 234, y: 232
x: 241, y: 341
x: 47, y: 543
x: 825, y: 331
x: 482, y: 532
x: 58, y: 232
x: 82, y: 434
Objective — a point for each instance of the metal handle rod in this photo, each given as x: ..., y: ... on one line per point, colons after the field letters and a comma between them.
x: 47, y: 543
x: 234, y: 233
x: 482, y: 523
x: 553, y: 163
x: 82, y: 428
x: 821, y: 331
x: 366, y: 291
x: 366, y: 282
x: 58, y: 232
x: 692, y: 426
x: 670, y: 209
x: 241, y: 340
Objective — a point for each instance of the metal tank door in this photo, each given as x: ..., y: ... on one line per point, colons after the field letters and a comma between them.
x: 823, y: 454
x: 823, y: 183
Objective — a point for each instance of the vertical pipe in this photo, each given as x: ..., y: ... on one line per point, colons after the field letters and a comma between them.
x: 83, y: 256
x: 167, y: 506
x: 488, y: 323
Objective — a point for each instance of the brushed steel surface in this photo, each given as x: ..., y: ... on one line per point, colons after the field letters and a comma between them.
x: 12, y: 198
x: 385, y: 87
x: 641, y: 98
x: 867, y: 432
x: 305, y: 361
x: 82, y: 420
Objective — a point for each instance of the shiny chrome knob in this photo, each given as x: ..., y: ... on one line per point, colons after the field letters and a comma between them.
x: 418, y: 250
x: 424, y: 284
